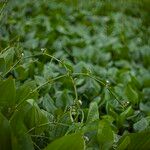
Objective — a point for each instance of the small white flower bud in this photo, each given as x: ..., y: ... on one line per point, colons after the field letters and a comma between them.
x: 86, y: 138
x: 42, y: 49
x: 80, y: 102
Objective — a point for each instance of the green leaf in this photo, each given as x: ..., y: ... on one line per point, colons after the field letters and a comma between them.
x: 68, y: 66
x: 48, y: 104
x: 105, y: 135
x: 35, y: 118
x: 60, y: 129
x: 141, y: 125
x: 20, y: 138
x: 63, y: 99
x: 8, y: 57
x: 93, y: 113
x: 39, y: 80
x: 5, y: 133
x: 7, y: 96
x: 132, y: 141
x: 145, y: 107
x: 131, y: 94
x: 21, y: 73
x: 2, y: 65
x: 121, y: 118
x: 123, y: 145
x: 90, y: 127
x: 23, y: 91
x: 68, y: 142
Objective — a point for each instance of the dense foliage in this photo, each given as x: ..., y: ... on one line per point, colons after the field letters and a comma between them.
x: 74, y: 75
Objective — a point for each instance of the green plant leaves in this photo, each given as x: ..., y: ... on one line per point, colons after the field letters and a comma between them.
x: 2, y: 65
x: 24, y: 91
x: 48, y: 104
x: 7, y: 96
x: 73, y: 142
x: 105, y: 135
x: 5, y: 133
x: 125, y: 142
x: 141, y: 124
x: 35, y: 118
x: 135, y: 141
x: 124, y: 115
x: 8, y: 91
x: 63, y: 99
x: 131, y: 94
x: 20, y: 138
x: 93, y: 113
x: 8, y: 57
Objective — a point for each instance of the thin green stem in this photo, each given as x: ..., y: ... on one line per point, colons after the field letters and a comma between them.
x: 11, y: 68
x: 36, y: 145
x: 75, y: 88
x: 5, y: 49
x: 45, y: 54
x: 35, y: 135
x: 53, y: 57
x: 45, y: 124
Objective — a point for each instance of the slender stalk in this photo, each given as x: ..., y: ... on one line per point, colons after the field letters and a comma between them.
x: 36, y: 145
x: 75, y: 88
x: 45, y: 124
x: 11, y: 68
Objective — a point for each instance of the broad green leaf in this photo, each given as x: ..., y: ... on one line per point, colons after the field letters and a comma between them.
x: 124, y: 115
x: 123, y: 145
x: 63, y: 99
x: 135, y: 82
x: 145, y: 107
x: 68, y: 142
x: 62, y: 126
x: 139, y: 140
x: 5, y: 133
x: 2, y: 65
x: 141, y: 125
x: 110, y: 111
x: 39, y: 80
x: 21, y: 73
x: 105, y: 135
x: 23, y: 92
x: 7, y: 96
x: 93, y: 113
x: 91, y: 87
x: 90, y: 127
x: 20, y: 138
x: 146, y: 80
x: 35, y: 118
x: 131, y: 94
x: 48, y: 104
x: 8, y: 56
